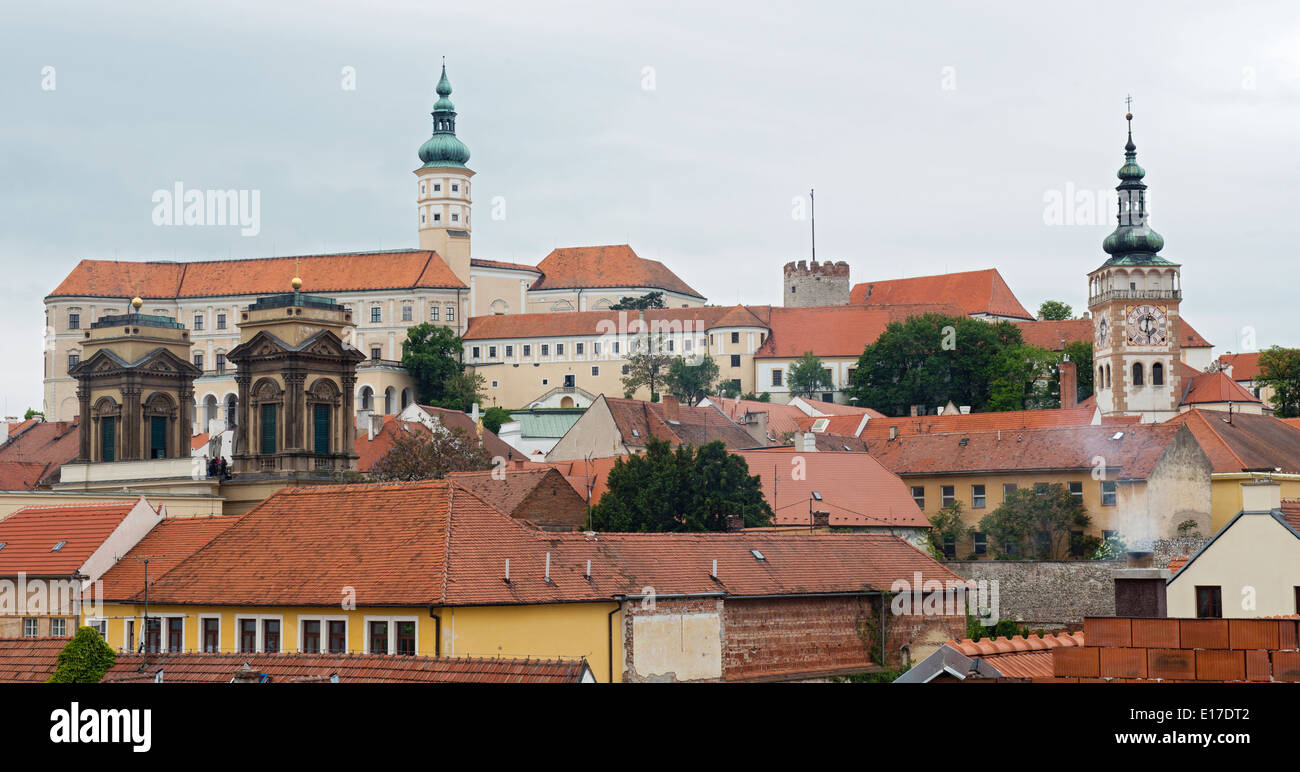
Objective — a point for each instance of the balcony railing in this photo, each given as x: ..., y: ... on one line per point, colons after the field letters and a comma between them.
x: 1143, y: 294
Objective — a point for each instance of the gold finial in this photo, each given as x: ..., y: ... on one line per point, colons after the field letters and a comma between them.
x: 136, y: 302
x: 297, y: 283
x: 297, y: 271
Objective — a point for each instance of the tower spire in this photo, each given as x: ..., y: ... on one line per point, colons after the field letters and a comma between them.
x: 443, y: 148
x: 1132, y: 241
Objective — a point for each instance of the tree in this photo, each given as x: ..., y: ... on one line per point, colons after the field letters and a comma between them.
x: 1055, y: 311
x: 729, y: 388
x: 493, y: 417
x: 808, y: 376
x: 1080, y: 353
x: 645, y: 363
x: 929, y: 360
x: 460, y: 391
x: 1279, y: 369
x: 692, y: 382
x: 432, y: 354
x: 1025, y: 377
x: 648, y: 300
x: 763, y: 397
x: 84, y: 660
x: 687, y: 489
x: 946, y: 525
x: 419, y: 456
x: 32, y: 413
x: 1045, y: 522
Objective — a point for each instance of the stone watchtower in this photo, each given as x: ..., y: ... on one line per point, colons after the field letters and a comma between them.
x: 819, y: 284
x: 296, y: 377
x: 135, y: 384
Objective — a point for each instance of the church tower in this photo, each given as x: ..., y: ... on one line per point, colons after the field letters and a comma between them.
x: 1134, y: 298
x: 443, y: 197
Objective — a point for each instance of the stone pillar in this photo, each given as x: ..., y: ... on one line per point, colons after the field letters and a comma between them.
x: 295, y: 406
x: 186, y: 397
x: 242, y: 381
x: 85, y: 427
x: 348, y: 419
x: 131, y: 423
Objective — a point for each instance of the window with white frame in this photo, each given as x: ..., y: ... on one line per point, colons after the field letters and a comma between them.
x: 391, y: 635
x: 58, y: 628
x: 258, y: 633
x: 31, y: 627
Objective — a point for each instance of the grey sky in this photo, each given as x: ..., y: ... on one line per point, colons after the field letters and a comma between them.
x: 750, y: 108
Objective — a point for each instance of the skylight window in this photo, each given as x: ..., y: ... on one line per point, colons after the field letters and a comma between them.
x: 757, y: 555
x: 2, y: 544
x: 58, y: 546
x: 1117, y: 436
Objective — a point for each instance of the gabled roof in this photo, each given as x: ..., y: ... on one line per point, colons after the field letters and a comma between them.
x: 1214, y: 387
x: 29, y: 660
x: 24, y: 475
x: 588, y: 476
x: 195, y: 667
x: 1249, y: 443
x: 1245, y: 367
x: 369, y: 451
x: 637, y: 421
x: 31, y: 534
x: 596, y: 323
x: 45, y: 442
x: 1132, y: 450
x: 351, y: 271
x: 855, y: 489
x: 613, y: 266
x: 168, y: 543
x: 816, y: 407
x: 1010, y: 420
x: 977, y: 292
x: 510, y: 488
x: 838, y: 331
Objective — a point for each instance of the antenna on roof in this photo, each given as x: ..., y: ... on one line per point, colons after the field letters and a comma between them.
x: 812, y: 206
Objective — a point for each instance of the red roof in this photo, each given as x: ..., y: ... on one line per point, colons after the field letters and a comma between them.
x: 351, y: 271
x: 1250, y: 443
x: 1245, y: 367
x: 834, y: 408
x: 44, y: 442
x: 587, y: 476
x: 781, y: 419
x: 30, y: 535
x: 168, y: 543
x: 1019, y: 657
x: 300, y: 545
x: 1215, y: 387
x: 837, y: 331
x: 608, y: 266
x: 24, y: 475
x: 638, y: 421
x: 1134, y: 453
x: 1007, y: 421
x: 1053, y: 335
x: 533, y: 492
x: 977, y: 292
x: 855, y: 489
x: 593, y: 323
x: 1291, y: 513
x: 477, y: 263
x: 194, y: 667
x: 19, y: 428
x: 29, y: 660
x: 370, y: 451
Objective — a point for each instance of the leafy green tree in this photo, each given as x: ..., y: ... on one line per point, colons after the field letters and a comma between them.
x: 1039, y: 523
x: 764, y: 397
x: 420, y: 456
x: 946, y: 524
x: 460, y: 391
x: 729, y: 388
x: 32, y: 413
x: 647, y: 359
x: 84, y: 660
x: 1080, y: 353
x: 648, y: 300
x: 1004, y: 628
x: 692, y: 382
x: 1279, y: 368
x: 929, y: 360
x: 808, y: 376
x: 1025, y: 377
x: 431, y: 354
x: 687, y: 489
x: 493, y: 417
x: 1055, y: 310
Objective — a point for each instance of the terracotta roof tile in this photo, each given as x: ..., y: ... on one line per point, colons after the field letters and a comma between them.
x: 638, y: 421
x: 837, y: 331
x: 477, y: 263
x: 781, y: 419
x: 510, y: 489
x: 24, y: 475
x: 1177, y: 563
x: 1207, y: 388
x: 30, y: 534
x: 589, y: 477
x: 1053, y: 335
x: 45, y: 442
x: 1249, y: 443
x: 606, y: 266
x: 834, y: 408
x: 1291, y: 513
x: 1245, y: 367
x: 320, y: 273
x: 168, y: 543
x: 29, y: 660
x: 593, y: 323
x: 1007, y: 421
x: 977, y: 292
x: 371, y: 450
x: 350, y: 668
x: 1019, y: 657
x: 855, y: 489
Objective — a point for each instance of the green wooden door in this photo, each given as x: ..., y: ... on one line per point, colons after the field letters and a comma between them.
x: 107, y: 439
x: 321, y: 428
x: 157, y: 437
x: 268, y: 429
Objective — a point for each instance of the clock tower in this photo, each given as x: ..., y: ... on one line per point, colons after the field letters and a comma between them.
x: 1134, y: 298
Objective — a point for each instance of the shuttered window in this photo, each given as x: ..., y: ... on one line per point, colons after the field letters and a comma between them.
x: 108, y: 439
x: 321, y: 428
x: 268, y: 428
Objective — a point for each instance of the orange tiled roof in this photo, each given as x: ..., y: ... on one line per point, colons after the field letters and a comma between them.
x: 637, y: 421
x: 611, y: 266
x: 368, y: 537
x: 1291, y: 513
x: 1245, y: 367
x: 855, y: 489
x: 1058, y: 448
x: 837, y: 331
x: 1007, y: 421
x: 194, y: 667
x: 1251, y: 443
x: 587, y: 476
x: 29, y: 660
x: 1053, y: 335
x: 510, y: 489
x: 834, y: 408
x: 350, y: 271
x: 169, y: 542
x: 24, y: 475
x: 369, y: 451
x: 44, y: 442
x: 1019, y: 657
x: 1206, y: 388
x: 781, y: 419
x: 30, y: 534
x: 19, y: 428
x: 1177, y: 563
x: 977, y: 292
x: 593, y: 323
x: 477, y: 263
x: 841, y: 425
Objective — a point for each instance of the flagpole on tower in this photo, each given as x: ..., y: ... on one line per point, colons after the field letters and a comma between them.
x: 812, y: 204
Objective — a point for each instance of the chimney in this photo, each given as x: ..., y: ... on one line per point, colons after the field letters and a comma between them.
x: 1069, y: 384
x: 672, y: 409
x: 808, y: 442
x: 821, y: 519
x: 756, y: 425
x: 734, y: 523
x: 1261, y: 495
x: 363, y: 419
x: 916, y: 410
x: 376, y: 425
x: 246, y: 675
x: 893, y: 432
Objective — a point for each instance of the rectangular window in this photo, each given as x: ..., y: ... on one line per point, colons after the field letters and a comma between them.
x: 626, y: 369
x: 1108, y: 493
x: 981, y: 542
x: 1076, y: 490
x: 777, y: 375
x: 1008, y: 489
x: 510, y: 351
x: 949, y: 547
x: 559, y: 349
x: 528, y: 350
x: 221, y: 321
x: 406, y: 638
x: 101, y: 627
x: 615, y: 347
x: 947, y: 495
x: 1209, y: 602
x: 406, y: 313
x: 338, y: 631
x: 271, y: 636
x: 153, y: 635
x: 670, y: 344
x: 73, y: 360
x: 569, y: 381
x: 918, y: 495
x: 688, y: 344
x: 977, y: 497
x: 221, y: 364
x: 577, y: 349
x: 198, y: 321
x: 128, y: 635
x: 1297, y: 600
x: 451, y: 313
x: 247, y: 636
x: 595, y: 371
x: 492, y: 352
x: 108, y: 438
x: 378, y: 638
x: 1076, y: 544
x: 157, y: 437
x: 1040, y: 489
x: 175, y: 633
x: 433, y: 313
x: 311, y: 636
x: 198, y: 361
x: 546, y: 349
x: 31, y: 627
x: 595, y: 348
x: 320, y: 426
x: 74, y: 321
x: 58, y: 628
x: 376, y: 353
x: 268, y: 429
x: 211, y: 635
x: 376, y: 315
x: 474, y: 352
x: 735, y: 337
x: 735, y: 360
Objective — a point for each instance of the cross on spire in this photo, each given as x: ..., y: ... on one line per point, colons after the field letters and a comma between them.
x: 1128, y: 103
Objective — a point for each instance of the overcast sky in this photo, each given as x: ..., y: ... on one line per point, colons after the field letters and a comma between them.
x: 935, y: 135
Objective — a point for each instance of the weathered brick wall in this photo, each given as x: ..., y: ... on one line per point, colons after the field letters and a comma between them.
x: 765, y: 637
x: 668, y: 666
x: 554, y: 504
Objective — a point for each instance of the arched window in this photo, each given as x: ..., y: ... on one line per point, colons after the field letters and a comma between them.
x: 1101, y: 376
x: 407, y: 397
x: 1157, y: 374
x: 367, y: 398
x: 1108, y: 376
x: 1137, y: 374
x: 389, y: 395
x: 232, y: 410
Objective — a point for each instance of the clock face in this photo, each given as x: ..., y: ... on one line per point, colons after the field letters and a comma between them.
x: 1103, y: 331
x: 1146, y: 325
